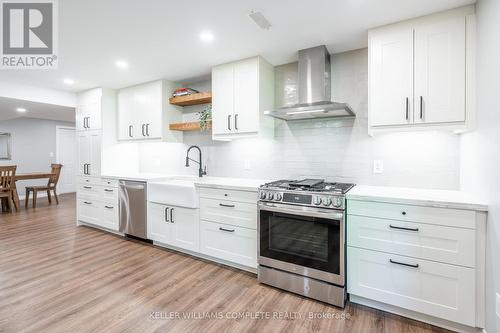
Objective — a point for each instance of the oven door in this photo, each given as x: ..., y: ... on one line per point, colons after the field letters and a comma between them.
x: 302, y: 240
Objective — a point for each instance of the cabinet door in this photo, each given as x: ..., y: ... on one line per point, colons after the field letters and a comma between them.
x: 110, y: 216
x: 83, y: 141
x: 186, y: 231
x: 127, y: 127
x: 223, y: 99
x: 149, y: 98
x: 391, y: 77
x: 160, y: 228
x: 81, y: 120
x: 95, y: 153
x: 89, y: 211
x: 440, y: 71
x: 246, y: 96
x: 93, y: 113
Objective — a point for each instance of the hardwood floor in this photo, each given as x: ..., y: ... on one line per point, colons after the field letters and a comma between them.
x: 57, y: 277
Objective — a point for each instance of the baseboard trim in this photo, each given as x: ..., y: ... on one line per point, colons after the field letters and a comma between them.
x: 449, y: 325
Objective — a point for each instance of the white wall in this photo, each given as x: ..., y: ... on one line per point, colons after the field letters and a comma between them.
x: 480, y: 152
x: 33, y: 142
x: 337, y: 150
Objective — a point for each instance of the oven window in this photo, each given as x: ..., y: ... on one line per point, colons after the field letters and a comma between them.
x: 306, y: 241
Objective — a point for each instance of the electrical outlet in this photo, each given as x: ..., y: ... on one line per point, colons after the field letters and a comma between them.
x: 248, y: 165
x: 498, y: 305
x: 378, y: 166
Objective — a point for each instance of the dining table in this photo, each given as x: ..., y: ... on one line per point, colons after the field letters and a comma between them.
x: 27, y: 176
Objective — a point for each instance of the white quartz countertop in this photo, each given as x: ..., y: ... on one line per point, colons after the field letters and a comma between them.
x: 243, y: 184
x: 427, y: 197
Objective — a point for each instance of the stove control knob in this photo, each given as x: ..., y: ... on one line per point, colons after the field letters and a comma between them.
x: 262, y: 195
x: 278, y: 197
x: 270, y: 196
x: 327, y: 202
x: 317, y: 201
x: 337, y: 202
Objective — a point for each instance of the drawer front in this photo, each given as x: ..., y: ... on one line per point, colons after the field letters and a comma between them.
x: 107, y: 182
x: 238, y: 245
x: 90, y: 191
x: 110, y: 194
x: 89, y: 211
x: 439, y: 290
x: 89, y: 180
x: 230, y: 195
x: 426, y: 241
x: 240, y: 214
x: 428, y: 215
x: 110, y: 215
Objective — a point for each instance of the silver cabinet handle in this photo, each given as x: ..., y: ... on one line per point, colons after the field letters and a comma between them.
x: 88, y: 169
x: 236, y: 121
x: 87, y: 202
x: 226, y: 205
x: 403, y: 263
x: 166, y: 215
x: 147, y: 129
x: 88, y: 122
x: 108, y: 190
x: 229, y: 122
x: 407, y: 114
x: 109, y: 207
x: 421, y: 107
x: 142, y: 129
x: 402, y: 228
x: 172, y: 215
x: 87, y: 187
x: 130, y: 127
x: 226, y: 230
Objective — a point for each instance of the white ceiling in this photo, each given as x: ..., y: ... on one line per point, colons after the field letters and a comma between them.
x: 160, y: 39
x: 34, y: 110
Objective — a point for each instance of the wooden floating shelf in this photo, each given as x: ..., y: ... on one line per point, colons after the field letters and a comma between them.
x: 191, y: 126
x: 193, y: 99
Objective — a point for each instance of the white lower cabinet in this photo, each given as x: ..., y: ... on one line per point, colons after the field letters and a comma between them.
x: 436, y: 289
x: 89, y: 211
x: 228, y: 242
x: 175, y: 226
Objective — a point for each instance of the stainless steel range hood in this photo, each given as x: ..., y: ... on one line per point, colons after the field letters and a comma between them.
x: 314, y: 89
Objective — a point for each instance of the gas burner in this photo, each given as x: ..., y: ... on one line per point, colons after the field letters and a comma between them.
x: 312, y: 185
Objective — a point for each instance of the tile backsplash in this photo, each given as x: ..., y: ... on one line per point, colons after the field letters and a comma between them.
x: 334, y: 149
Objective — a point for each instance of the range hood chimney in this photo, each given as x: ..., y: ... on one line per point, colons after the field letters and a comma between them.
x: 314, y: 89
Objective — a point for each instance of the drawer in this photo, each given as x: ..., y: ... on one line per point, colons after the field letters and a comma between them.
x: 235, y: 244
x: 110, y: 219
x: 230, y: 195
x: 240, y: 214
x: 436, y: 289
x: 90, y: 191
x: 89, y: 180
x: 426, y: 241
x: 89, y: 211
x: 428, y: 215
x: 108, y: 182
x: 110, y: 194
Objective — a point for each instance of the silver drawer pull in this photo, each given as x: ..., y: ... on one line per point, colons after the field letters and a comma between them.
x: 107, y: 190
x: 227, y: 230
x: 225, y: 205
x: 402, y: 228
x: 109, y: 207
x: 403, y: 264
x: 87, y: 203
x: 87, y: 187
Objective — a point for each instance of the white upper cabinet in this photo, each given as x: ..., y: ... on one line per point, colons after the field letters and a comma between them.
x: 420, y: 73
x: 440, y: 71
x: 88, y: 110
x: 144, y: 112
x: 391, y: 77
x: 241, y: 92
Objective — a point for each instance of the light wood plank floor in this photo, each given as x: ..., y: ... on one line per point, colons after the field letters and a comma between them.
x: 57, y: 277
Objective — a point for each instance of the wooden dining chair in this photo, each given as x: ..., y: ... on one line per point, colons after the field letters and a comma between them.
x: 7, y: 181
x: 51, y: 186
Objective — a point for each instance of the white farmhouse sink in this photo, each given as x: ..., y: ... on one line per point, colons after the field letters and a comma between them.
x: 179, y: 192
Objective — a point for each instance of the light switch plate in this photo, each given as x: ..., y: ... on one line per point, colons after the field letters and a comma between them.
x: 378, y: 166
x: 498, y: 305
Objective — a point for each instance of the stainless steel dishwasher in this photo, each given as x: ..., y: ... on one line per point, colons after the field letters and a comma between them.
x: 133, y: 212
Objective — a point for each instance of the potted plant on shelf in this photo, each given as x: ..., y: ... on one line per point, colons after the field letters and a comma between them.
x: 205, y: 117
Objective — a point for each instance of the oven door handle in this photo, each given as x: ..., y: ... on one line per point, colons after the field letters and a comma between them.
x: 336, y: 215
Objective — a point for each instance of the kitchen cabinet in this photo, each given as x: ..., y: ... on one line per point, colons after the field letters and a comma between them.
x: 241, y: 92
x: 419, y: 72
x: 97, y: 202
x: 144, y: 112
x: 88, y: 110
x: 175, y: 226
x: 89, y: 152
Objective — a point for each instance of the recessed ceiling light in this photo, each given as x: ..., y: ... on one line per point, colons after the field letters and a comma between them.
x: 207, y: 37
x: 21, y: 110
x: 69, y: 81
x: 122, y: 64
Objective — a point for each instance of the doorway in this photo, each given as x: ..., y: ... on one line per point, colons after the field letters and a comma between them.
x: 66, y: 155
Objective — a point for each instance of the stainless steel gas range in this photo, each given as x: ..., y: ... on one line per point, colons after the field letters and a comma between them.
x: 301, y: 238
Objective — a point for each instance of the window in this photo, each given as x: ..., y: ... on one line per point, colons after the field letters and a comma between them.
x: 5, y: 146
